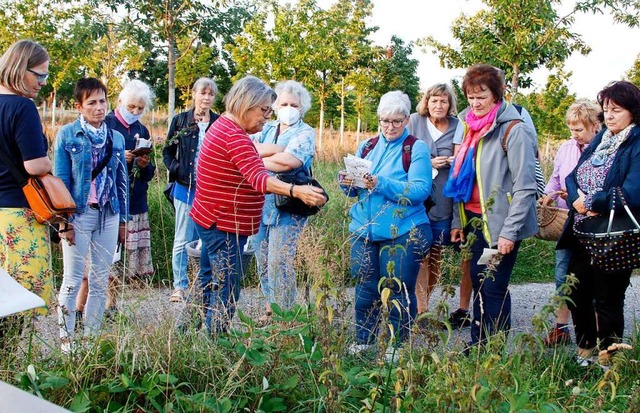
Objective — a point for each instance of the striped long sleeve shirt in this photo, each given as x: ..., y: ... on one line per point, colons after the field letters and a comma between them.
x: 231, y: 181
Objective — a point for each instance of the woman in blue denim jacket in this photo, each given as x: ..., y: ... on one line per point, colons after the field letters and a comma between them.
x: 390, y: 231
x: 89, y: 158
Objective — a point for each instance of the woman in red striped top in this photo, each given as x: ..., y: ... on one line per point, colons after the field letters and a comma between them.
x: 227, y: 208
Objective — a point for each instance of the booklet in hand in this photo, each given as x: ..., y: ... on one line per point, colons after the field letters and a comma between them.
x: 143, y: 147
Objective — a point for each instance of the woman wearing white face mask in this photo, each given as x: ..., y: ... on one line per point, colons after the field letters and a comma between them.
x: 285, y: 145
x: 134, y: 99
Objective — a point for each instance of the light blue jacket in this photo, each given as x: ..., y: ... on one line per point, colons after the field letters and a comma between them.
x: 299, y: 140
x: 72, y: 164
x: 396, y: 204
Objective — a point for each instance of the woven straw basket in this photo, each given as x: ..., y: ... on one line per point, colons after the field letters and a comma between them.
x: 550, y: 221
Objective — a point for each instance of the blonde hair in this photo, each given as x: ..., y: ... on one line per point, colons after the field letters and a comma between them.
x: 20, y: 56
x: 584, y: 111
x: 439, y: 89
x: 247, y: 93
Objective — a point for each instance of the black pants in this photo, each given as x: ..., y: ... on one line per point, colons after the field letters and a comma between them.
x: 598, y: 302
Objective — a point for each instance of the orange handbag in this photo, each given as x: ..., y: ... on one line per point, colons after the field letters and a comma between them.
x: 49, y: 199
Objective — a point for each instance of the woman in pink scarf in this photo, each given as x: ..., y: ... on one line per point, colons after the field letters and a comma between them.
x: 492, y: 183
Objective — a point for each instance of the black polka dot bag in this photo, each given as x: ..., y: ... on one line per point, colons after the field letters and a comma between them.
x: 612, y: 241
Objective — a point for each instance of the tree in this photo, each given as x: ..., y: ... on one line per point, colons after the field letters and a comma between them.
x: 313, y: 46
x: 633, y: 75
x: 549, y: 107
x: 173, y: 25
x: 396, y: 70
x: 623, y: 11
x: 517, y: 37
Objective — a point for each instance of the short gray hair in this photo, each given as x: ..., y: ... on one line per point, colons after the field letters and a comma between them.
x: 247, y: 93
x: 394, y: 102
x: 296, y: 89
x: 136, y: 91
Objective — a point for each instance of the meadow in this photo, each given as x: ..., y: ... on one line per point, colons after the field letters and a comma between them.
x: 298, y: 362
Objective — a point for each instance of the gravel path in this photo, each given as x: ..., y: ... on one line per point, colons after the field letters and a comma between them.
x: 148, y: 307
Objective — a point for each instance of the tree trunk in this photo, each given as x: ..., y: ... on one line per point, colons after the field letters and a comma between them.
x: 514, y: 82
x: 342, y: 113
x: 171, y: 64
x: 321, y: 126
x: 54, y: 106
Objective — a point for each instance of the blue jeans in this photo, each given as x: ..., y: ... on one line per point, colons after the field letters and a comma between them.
x: 441, y: 232
x: 94, y: 247
x: 491, y: 297
x: 563, y: 257
x: 370, y: 262
x: 184, y: 233
x: 220, y: 276
x: 275, y: 253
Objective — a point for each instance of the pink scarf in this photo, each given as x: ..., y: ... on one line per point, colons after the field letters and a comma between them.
x: 477, y: 128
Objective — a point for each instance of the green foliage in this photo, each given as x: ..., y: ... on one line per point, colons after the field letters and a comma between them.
x: 633, y: 75
x: 549, y: 107
x: 396, y: 70
x: 517, y: 37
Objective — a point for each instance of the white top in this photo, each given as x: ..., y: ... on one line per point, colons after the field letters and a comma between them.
x: 433, y: 131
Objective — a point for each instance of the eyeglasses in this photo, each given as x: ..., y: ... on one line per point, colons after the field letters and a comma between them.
x: 266, y: 111
x: 394, y: 122
x: 42, y: 77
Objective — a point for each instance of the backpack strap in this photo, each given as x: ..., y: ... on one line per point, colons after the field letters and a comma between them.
x: 506, y: 134
x: 407, y: 147
x: 406, y: 151
x: 368, y: 147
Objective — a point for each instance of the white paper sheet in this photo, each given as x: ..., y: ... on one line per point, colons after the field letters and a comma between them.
x: 357, y: 168
x: 14, y: 298
x: 487, y: 253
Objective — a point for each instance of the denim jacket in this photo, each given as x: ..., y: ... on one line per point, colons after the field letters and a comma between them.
x: 72, y: 164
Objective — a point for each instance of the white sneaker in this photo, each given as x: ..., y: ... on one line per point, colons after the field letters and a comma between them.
x: 177, y: 296
x: 355, y: 348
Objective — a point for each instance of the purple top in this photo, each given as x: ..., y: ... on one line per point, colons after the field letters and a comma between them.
x: 564, y: 163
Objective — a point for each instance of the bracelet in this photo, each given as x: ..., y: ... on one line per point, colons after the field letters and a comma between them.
x: 291, y: 191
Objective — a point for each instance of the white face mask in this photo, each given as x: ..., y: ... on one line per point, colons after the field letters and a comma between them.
x: 129, y: 117
x: 288, y: 115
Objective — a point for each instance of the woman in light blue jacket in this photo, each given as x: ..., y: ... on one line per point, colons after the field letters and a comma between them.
x: 390, y: 232
x: 89, y: 158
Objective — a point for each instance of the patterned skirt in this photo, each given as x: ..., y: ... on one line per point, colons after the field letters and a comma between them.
x: 138, y: 247
x: 25, y: 252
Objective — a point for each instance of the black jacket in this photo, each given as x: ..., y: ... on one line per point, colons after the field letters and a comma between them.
x: 180, y: 148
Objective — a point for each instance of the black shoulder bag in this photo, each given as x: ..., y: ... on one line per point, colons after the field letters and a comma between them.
x: 298, y: 176
x: 613, y: 241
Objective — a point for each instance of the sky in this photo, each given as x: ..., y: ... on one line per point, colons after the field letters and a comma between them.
x: 614, y: 46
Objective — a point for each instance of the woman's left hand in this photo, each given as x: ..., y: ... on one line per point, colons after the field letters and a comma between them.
x: 122, y: 233
x: 505, y: 246
x: 579, y: 205
x: 370, y: 181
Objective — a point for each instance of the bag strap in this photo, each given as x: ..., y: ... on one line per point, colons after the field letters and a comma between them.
x: 107, y: 156
x: 618, y: 192
x: 506, y: 134
x: 19, y: 176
